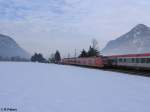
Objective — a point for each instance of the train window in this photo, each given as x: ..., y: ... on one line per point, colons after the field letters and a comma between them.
x: 148, y: 60
x: 120, y: 60
x: 137, y: 60
x: 143, y: 60
x: 133, y: 60
x: 129, y: 60
x: 124, y: 60
x: 115, y: 60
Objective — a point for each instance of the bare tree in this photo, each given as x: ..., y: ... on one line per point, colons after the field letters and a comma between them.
x: 94, y: 49
x: 95, y: 44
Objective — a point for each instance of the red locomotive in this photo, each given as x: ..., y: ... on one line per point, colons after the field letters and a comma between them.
x: 136, y: 61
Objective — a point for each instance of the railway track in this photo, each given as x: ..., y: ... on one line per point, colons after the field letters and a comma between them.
x: 129, y: 71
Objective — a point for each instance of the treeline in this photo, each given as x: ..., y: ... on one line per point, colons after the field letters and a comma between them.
x: 38, y: 57
x: 54, y: 58
x: 14, y: 58
x: 93, y: 51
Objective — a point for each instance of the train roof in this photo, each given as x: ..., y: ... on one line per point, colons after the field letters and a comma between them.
x: 131, y: 55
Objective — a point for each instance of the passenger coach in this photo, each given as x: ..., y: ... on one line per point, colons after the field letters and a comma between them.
x: 138, y: 61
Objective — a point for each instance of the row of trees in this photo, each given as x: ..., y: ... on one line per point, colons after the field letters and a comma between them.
x: 38, y: 57
x: 56, y: 57
x: 13, y: 58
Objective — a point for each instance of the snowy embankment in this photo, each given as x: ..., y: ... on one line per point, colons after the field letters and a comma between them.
x: 33, y: 87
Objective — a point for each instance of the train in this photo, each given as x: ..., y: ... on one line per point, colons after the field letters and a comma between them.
x: 131, y: 61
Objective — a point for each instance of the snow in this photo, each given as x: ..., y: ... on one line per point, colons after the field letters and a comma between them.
x: 34, y: 87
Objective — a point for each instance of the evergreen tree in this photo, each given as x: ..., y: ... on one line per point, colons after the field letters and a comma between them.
x: 34, y: 57
x: 57, y: 57
x: 38, y: 58
x: 83, y: 53
x: 93, y: 52
x: 90, y: 52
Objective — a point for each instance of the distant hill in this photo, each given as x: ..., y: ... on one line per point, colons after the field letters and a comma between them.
x: 135, y: 41
x: 9, y: 48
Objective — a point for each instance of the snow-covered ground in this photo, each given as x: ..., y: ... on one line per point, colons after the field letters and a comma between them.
x: 33, y: 87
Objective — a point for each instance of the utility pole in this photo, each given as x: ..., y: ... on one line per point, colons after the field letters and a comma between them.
x: 68, y: 55
x: 75, y: 53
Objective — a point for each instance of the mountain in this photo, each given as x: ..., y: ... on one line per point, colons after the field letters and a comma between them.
x: 135, y: 41
x: 9, y: 48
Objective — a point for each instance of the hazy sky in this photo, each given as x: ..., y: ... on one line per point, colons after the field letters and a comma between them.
x: 47, y: 25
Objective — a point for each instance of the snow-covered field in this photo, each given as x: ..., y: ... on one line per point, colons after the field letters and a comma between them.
x: 33, y: 87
